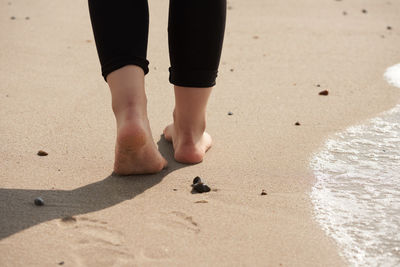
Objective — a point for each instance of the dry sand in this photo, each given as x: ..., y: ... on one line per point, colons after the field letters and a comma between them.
x: 52, y: 97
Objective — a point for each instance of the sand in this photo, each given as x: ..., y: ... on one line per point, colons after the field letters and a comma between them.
x: 53, y: 98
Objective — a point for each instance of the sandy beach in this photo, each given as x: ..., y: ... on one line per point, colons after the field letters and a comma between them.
x: 277, y: 57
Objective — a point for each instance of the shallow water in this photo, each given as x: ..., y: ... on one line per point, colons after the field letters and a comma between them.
x: 357, y: 193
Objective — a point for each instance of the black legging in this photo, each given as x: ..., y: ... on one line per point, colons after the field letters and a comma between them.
x: 195, y: 36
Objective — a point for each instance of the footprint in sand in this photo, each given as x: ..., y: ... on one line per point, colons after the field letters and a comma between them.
x: 176, y: 222
x: 181, y: 222
x: 97, y: 244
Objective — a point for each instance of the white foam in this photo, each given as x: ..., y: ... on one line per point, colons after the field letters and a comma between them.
x: 357, y: 193
x: 392, y: 75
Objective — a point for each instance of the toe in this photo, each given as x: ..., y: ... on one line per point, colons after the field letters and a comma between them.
x: 168, y: 133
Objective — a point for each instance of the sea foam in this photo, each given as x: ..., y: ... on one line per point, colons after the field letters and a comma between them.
x: 357, y: 193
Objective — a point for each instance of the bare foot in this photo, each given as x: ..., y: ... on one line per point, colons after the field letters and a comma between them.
x: 135, y: 150
x: 188, y: 147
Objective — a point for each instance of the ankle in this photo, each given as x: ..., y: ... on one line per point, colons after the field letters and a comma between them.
x: 189, y: 125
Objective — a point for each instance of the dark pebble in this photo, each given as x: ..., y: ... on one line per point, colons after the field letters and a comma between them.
x: 27, y: 18
x: 196, y: 180
x: 201, y: 188
x: 364, y: 11
x: 61, y: 263
x: 232, y: 70
x: 344, y: 13
x: 325, y: 92
x: 39, y: 201
x: 201, y: 201
x: 175, y: 189
x: 206, y: 188
x: 42, y: 153
x: 388, y: 27
x: 318, y: 85
x: 263, y: 192
x: 12, y: 17
x: 297, y: 123
x: 230, y: 113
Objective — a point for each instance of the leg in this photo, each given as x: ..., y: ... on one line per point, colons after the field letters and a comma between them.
x: 120, y: 29
x: 195, y: 32
x: 135, y: 150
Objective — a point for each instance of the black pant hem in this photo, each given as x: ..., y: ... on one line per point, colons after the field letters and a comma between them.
x: 119, y: 63
x: 193, y: 78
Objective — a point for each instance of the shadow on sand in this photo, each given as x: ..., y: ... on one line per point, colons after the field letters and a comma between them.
x: 17, y: 211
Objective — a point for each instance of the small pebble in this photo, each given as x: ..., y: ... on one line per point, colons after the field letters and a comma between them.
x: 175, y: 189
x: 263, y: 192
x: 364, y: 11
x: 27, y: 18
x: 201, y: 188
x: 255, y: 37
x: 201, y: 201
x: 232, y: 70
x: 61, y: 263
x: 318, y: 85
x: 12, y: 17
x: 229, y: 7
x: 42, y: 153
x: 230, y: 113
x: 325, y: 92
x: 388, y: 27
x: 344, y: 13
x: 39, y: 201
x: 196, y: 180
x: 297, y: 123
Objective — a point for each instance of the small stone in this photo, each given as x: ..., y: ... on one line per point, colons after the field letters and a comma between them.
x: 389, y: 28
x: 255, y: 37
x: 206, y: 188
x: 344, y: 13
x: 201, y: 201
x: 12, y: 18
x: 196, y: 180
x: 42, y: 153
x: 201, y: 188
x: 364, y: 11
x: 325, y: 92
x: 318, y: 85
x: 297, y: 123
x: 61, y: 263
x: 231, y: 70
x: 229, y: 7
x: 175, y: 189
x: 27, y: 18
x: 39, y: 201
x: 263, y: 192
x: 230, y: 113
